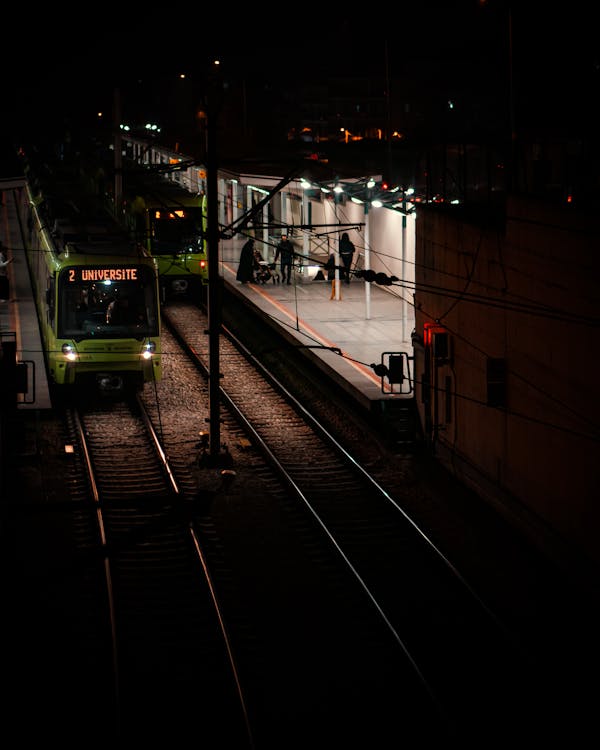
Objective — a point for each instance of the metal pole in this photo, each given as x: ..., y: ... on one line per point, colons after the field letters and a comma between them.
x: 404, y: 292
x: 367, y: 258
x: 214, y: 282
x: 118, y: 156
x: 338, y: 291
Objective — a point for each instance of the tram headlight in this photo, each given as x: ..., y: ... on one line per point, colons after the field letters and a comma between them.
x: 69, y: 351
x: 149, y: 349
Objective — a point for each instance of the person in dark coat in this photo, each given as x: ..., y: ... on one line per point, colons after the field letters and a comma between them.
x: 285, y: 251
x: 245, y: 270
x: 346, y: 255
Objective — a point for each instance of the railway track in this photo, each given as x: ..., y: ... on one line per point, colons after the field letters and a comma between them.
x: 442, y: 657
x: 143, y: 602
x: 360, y: 608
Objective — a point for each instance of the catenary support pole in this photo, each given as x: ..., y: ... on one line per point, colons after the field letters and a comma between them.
x: 214, y: 282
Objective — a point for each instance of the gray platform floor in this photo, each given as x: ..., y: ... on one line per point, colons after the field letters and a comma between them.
x: 18, y: 317
x: 364, y: 321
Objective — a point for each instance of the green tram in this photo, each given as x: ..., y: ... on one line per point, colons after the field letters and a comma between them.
x: 97, y: 293
x: 170, y: 222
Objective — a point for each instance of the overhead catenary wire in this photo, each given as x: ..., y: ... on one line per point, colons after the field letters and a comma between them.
x: 491, y: 297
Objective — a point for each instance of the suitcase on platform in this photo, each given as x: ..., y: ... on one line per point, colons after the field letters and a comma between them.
x: 3, y: 287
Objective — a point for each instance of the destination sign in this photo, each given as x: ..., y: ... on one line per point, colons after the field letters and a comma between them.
x: 77, y: 275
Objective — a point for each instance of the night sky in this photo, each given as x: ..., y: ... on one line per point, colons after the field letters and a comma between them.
x: 60, y: 63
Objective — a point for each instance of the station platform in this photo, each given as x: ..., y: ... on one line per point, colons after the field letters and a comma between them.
x: 363, y: 325
x: 18, y: 316
x: 347, y: 336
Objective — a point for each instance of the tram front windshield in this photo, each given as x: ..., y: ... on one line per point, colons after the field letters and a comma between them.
x: 176, y: 231
x: 109, y: 308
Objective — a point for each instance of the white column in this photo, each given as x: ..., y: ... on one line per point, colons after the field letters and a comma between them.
x: 249, y: 204
x: 338, y: 291
x: 304, y: 220
x: 222, y: 201
x: 283, y: 211
x: 236, y: 198
x: 265, y: 233
x: 404, y: 291
x: 367, y: 260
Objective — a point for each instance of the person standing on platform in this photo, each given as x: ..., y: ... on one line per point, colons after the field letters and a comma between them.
x: 4, y: 288
x: 285, y: 250
x: 346, y: 255
x: 245, y: 270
